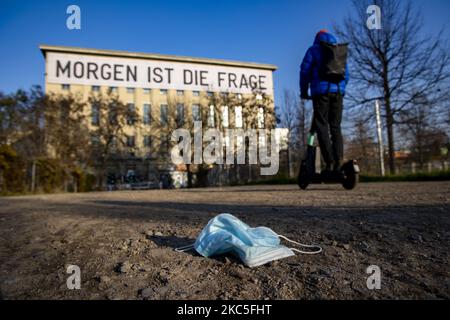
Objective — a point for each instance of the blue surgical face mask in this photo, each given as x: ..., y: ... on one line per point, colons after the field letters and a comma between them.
x: 254, y: 246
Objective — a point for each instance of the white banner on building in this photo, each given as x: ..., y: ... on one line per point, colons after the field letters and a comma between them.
x: 65, y: 68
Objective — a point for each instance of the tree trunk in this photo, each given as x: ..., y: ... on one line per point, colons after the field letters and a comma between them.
x: 390, y: 136
x: 389, y: 117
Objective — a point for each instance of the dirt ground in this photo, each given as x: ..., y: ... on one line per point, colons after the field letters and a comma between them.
x: 124, y: 243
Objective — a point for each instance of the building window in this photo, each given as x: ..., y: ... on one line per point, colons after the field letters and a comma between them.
x: 238, y: 117
x: 95, y: 114
x: 146, y: 90
x: 65, y: 86
x: 130, y: 90
x: 210, y: 94
x: 180, y: 115
x: 95, y: 140
x: 113, y: 89
x: 196, y: 93
x: 164, y: 110
x: 259, y: 97
x: 112, y: 115
x: 164, y: 143
x: 130, y: 141
x: 147, y: 141
x: 260, y: 118
x: 180, y: 92
x: 147, y: 116
x: 131, y: 114
x: 224, y: 95
x: 95, y: 88
x: 225, y: 122
x: 211, y: 116
x: 196, y: 112
x: 163, y: 92
x: 239, y: 96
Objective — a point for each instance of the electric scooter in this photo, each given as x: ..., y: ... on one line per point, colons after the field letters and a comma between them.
x: 310, y: 169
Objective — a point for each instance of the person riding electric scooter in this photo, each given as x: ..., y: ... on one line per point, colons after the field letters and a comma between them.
x: 324, y: 71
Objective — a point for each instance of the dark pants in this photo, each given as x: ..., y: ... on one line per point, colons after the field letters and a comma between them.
x: 327, y: 122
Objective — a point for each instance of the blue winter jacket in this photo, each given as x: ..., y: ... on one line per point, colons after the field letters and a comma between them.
x: 309, y: 70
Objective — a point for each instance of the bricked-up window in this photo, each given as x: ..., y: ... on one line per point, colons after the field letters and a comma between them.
x: 147, y: 141
x: 131, y: 114
x: 147, y: 116
x: 260, y: 118
x: 95, y: 88
x: 164, y: 111
x: 180, y: 115
x: 95, y: 114
x: 65, y: 86
x: 130, y: 141
x: 238, y: 117
x: 196, y: 112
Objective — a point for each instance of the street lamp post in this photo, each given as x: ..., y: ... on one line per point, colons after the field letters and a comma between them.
x: 380, y: 138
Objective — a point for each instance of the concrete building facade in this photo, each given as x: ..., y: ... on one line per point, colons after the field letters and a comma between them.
x: 221, y: 93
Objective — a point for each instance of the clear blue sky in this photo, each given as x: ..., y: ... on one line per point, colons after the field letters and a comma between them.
x: 275, y: 31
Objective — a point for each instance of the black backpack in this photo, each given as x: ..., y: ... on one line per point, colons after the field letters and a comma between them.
x: 334, y: 61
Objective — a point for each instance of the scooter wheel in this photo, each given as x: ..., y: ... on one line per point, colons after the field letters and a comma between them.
x: 350, y: 181
x: 303, y: 185
x: 303, y: 180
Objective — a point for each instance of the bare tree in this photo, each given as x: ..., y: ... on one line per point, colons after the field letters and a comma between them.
x: 14, y: 109
x: 65, y: 129
x: 416, y: 122
x: 291, y: 119
x: 395, y: 64
x: 295, y: 115
x: 218, y: 110
x: 113, y: 126
x: 304, y: 126
x: 362, y: 146
x: 44, y: 130
x: 420, y: 125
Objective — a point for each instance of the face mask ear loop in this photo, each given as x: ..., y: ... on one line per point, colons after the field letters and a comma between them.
x: 319, y: 249
x: 185, y: 248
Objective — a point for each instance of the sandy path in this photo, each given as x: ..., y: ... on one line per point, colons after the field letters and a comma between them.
x: 401, y: 227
